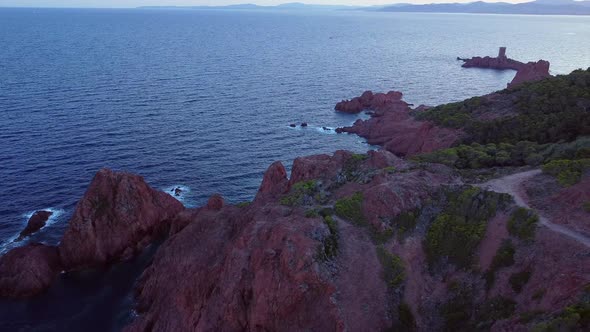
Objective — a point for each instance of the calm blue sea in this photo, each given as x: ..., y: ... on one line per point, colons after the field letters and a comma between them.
x: 203, y: 99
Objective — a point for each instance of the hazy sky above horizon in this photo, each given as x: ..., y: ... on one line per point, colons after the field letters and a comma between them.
x: 137, y: 3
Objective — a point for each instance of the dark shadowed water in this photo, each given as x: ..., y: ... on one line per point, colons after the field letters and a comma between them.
x: 203, y: 99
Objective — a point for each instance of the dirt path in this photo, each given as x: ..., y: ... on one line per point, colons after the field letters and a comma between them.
x: 512, y: 184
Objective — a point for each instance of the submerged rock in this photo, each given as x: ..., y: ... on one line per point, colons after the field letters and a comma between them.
x: 35, y: 223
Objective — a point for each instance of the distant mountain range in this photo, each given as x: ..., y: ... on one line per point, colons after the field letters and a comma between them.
x: 285, y: 6
x: 539, y: 7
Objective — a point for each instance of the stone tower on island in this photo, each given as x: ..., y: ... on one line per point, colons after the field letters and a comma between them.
x: 502, y: 53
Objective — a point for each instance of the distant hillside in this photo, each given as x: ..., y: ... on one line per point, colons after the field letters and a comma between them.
x: 539, y: 7
x: 285, y: 6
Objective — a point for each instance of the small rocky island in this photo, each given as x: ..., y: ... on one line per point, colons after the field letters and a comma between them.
x: 525, y: 72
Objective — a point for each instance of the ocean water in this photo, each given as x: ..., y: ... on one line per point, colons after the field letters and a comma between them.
x: 204, y: 99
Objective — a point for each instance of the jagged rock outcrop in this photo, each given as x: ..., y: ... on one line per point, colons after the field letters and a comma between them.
x: 525, y: 72
x: 530, y: 72
x: 28, y: 271
x: 118, y: 216
x: 274, y: 182
x: 368, y: 100
x: 393, y: 127
x: 35, y: 223
x: 262, y: 267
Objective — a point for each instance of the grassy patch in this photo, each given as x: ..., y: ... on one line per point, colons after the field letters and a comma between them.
x: 567, y: 172
x: 586, y: 206
x: 313, y: 213
x: 300, y: 192
x: 329, y: 249
x: 243, y: 204
x: 523, y: 224
x: 351, y: 167
x: 393, y: 267
x: 351, y: 209
x: 456, y: 233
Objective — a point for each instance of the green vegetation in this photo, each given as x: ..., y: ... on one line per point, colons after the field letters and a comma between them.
x: 586, y: 206
x: 351, y: 167
x: 313, y: 213
x: 575, y: 317
x: 547, y: 111
x: 567, y: 172
x: 351, y: 209
x: 453, y: 115
x: 300, y: 193
x: 458, y: 230
x: 529, y: 316
x: 458, y: 311
x: 462, y: 314
x: 390, y: 169
x: 393, y: 267
x: 523, y: 224
x: 494, y: 309
x: 329, y: 249
x: 518, y: 280
x: 406, y: 222
x: 523, y: 153
x: 243, y: 204
x: 504, y: 258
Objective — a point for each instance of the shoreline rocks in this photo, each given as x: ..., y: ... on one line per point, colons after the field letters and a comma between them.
x: 392, y: 126
x: 525, y: 72
x: 37, y: 221
x: 118, y: 216
x: 29, y: 270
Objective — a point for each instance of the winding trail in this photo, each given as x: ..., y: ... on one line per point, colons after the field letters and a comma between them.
x: 512, y: 184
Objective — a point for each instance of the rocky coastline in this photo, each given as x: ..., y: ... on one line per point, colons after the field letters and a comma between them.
x: 397, y: 239
x: 525, y: 72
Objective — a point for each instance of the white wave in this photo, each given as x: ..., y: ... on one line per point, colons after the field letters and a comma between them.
x: 181, y: 196
x: 326, y: 130
x: 11, y: 243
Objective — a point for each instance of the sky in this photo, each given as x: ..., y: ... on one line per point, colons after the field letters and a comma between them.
x: 137, y: 3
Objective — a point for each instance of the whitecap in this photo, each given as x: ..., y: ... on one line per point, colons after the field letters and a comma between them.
x: 11, y: 243
x: 181, y: 196
x: 326, y: 130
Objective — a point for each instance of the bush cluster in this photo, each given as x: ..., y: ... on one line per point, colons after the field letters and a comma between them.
x: 504, y: 258
x: 458, y: 230
x: 300, y: 192
x: 351, y: 209
x: 393, y: 267
x: 567, y: 172
x: 523, y: 224
x: 547, y: 111
x: 330, y: 243
x: 476, y: 156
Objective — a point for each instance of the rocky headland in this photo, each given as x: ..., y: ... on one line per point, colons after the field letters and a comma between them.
x: 525, y: 72
x: 473, y: 216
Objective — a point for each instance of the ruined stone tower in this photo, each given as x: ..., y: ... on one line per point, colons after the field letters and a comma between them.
x: 502, y: 53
